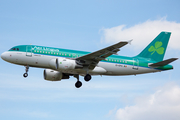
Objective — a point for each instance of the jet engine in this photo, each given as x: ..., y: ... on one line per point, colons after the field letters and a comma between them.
x: 52, y: 75
x: 63, y: 64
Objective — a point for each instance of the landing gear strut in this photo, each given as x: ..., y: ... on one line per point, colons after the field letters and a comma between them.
x: 78, y: 84
x: 87, y: 77
x: 26, y: 73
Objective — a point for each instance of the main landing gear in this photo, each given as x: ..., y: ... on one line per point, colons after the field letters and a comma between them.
x: 26, y: 73
x: 87, y: 77
x: 78, y: 84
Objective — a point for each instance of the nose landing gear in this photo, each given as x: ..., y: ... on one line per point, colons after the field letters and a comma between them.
x: 26, y: 73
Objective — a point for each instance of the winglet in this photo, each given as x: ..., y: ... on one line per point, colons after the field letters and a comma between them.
x: 129, y: 42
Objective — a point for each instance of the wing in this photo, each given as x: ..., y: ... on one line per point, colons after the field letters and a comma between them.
x: 90, y: 60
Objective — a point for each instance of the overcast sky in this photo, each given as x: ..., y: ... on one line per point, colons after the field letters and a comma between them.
x: 89, y: 26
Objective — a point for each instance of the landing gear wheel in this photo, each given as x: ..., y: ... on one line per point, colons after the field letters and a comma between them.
x: 87, y: 77
x: 78, y: 84
x: 25, y: 75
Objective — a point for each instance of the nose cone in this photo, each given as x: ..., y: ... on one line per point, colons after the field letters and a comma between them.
x: 4, y: 55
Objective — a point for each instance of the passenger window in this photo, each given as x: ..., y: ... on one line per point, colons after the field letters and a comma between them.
x: 17, y: 49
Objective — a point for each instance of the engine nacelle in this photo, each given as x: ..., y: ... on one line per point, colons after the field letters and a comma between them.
x: 63, y: 64
x: 52, y: 75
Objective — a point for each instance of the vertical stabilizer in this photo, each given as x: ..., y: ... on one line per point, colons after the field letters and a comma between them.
x: 157, y: 48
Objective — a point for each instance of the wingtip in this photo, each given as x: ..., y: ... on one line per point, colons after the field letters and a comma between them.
x: 176, y: 58
x: 129, y: 42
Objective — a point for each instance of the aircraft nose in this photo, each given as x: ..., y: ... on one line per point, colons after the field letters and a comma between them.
x: 4, y: 55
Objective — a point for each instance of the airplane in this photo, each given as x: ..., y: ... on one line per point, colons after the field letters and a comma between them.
x: 60, y: 63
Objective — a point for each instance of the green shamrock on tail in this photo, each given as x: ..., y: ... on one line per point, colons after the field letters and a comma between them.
x: 157, y: 48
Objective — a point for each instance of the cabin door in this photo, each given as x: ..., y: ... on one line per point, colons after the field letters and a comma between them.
x: 29, y: 50
x: 135, y: 63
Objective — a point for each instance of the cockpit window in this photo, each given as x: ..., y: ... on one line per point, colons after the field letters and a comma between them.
x: 15, y: 49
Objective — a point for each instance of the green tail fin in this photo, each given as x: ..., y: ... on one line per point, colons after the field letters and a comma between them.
x: 157, y: 48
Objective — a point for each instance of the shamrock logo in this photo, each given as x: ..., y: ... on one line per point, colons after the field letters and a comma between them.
x: 157, y: 48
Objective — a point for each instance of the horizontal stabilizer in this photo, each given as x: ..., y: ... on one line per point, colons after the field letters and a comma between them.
x: 163, y: 63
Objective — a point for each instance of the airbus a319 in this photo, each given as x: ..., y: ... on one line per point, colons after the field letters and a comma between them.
x: 60, y: 63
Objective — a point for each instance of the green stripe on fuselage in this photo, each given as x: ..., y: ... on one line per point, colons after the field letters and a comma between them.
x: 136, y: 61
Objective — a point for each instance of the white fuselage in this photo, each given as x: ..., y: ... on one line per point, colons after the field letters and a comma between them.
x: 102, y: 68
